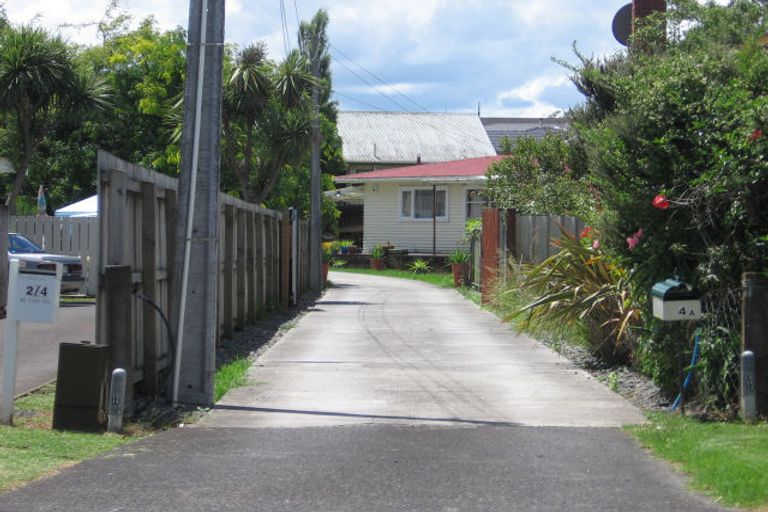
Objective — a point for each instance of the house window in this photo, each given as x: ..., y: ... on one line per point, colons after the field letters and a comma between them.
x: 476, y: 201
x: 418, y: 203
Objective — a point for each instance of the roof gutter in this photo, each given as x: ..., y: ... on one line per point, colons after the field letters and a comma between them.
x: 415, y: 179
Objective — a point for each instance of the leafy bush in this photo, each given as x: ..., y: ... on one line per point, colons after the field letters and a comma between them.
x: 458, y: 257
x: 378, y: 252
x: 673, y: 141
x: 420, y: 266
x: 581, y: 284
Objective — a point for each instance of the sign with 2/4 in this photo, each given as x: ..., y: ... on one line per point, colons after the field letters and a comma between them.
x: 35, y: 297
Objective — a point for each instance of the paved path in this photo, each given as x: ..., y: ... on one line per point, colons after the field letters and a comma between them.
x: 390, y: 396
x: 379, y: 350
x: 38, y: 354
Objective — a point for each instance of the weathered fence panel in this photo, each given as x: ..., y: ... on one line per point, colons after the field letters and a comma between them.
x: 73, y: 237
x: 519, y: 238
x: 136, y: 225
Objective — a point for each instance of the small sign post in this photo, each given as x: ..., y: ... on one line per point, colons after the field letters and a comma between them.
x: 33, y: 296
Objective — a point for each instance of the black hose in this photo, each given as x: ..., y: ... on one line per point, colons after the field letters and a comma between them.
x: 171, y: 340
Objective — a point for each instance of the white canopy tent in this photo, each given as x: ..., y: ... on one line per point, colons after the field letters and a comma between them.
x: 88, y: 207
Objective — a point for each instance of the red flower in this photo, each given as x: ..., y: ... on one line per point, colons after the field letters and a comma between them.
x: 634, y: 240
x: 660, y: 202
x: 757, y: 134
x: 586, y: 233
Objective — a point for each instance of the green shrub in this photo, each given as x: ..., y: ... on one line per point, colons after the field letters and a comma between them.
x: 378, y: 252
x: 580, y: 284
x: 419, y: 266
x: 458, y: 257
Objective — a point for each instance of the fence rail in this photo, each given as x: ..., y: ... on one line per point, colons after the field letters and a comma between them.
x: 73, y: 237
x: 137, y: 220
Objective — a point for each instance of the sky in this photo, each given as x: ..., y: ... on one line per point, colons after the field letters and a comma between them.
x: 401, y: 55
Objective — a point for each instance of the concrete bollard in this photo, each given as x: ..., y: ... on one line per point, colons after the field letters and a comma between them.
x: 116, y: 401
x: 748, y: 395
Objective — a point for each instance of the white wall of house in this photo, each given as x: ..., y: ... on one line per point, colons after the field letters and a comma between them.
x: 384, y: 224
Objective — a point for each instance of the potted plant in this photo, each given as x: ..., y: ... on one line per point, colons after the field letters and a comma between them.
x: 459, y: 260
x: 344, y: 246
x: 328, y: 253
x: 377, y: 257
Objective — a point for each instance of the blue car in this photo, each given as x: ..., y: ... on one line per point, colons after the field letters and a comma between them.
x: 32, y: 255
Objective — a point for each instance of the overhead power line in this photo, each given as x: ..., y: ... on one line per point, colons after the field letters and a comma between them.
x: 379, y: 79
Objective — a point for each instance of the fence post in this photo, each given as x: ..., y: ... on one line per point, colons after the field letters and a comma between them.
x: 260, y: 259
x: 250, y: 264
x: 511, y: 221
x: 285, y: 261
x: 119, y: 324
x: 490, y: 253
x: 150, y: 381
x: 241, y: 283
x: 229, y: 228
x: 754, y: 332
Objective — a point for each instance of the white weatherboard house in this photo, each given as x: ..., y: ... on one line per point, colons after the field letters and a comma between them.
x: 398, y: 203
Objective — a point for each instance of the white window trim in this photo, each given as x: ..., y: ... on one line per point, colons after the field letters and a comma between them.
x: 400, y: 191
x: 464, y: 197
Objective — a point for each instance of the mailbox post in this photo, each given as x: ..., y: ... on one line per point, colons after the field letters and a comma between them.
x: 33, y: 296
x: 674, y: 300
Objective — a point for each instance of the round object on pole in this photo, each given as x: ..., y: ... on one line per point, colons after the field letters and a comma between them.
x: 622, y: 24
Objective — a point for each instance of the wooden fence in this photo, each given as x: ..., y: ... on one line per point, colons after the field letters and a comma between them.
x: 73, y: 237
x: 509, y: 237
x: 137, y: 226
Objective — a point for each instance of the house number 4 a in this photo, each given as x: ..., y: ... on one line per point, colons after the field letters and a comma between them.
x: 37, y: 291
x: 686, y: 312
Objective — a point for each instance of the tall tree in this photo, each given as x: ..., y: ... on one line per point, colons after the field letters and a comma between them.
x: 266, y: 119
x: 39, y: 83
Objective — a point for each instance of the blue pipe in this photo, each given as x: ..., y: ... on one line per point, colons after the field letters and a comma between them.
x: 689, y: 375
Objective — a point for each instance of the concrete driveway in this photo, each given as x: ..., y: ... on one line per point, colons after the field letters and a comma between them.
x: 377, y: 350
x: 38, y: 354
x: 390, y: 396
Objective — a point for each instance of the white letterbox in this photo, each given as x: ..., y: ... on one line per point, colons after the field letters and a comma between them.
x: 675, y: 300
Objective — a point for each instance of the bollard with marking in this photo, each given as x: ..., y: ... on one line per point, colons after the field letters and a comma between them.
x: 116, y: 401
x: 748, y: 395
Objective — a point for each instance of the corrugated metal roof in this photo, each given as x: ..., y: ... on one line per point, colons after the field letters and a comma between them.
x: 517, y: 127
x: 402, y: 137
x: 470, y: 168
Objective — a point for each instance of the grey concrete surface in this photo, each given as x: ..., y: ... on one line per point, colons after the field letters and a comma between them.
x: 38, y: 354
x: 395, y: 351
x: 367, y: 468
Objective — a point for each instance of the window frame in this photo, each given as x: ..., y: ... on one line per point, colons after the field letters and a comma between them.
x: 412, y: 190
x: 487, y: 203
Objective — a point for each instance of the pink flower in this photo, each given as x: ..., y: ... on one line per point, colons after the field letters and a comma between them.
x: 757, y: 134
x: 595, y: 244
x: 567, y: 169
x: 634, y: 240
x: 536, y: 162
x: 660, y: 202
x: 586, y: 233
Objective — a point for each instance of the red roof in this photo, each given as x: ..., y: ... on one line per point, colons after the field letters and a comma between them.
x: 471, y: 167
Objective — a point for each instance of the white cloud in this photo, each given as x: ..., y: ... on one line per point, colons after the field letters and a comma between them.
x: 529, y: 93
x: 401, y: 88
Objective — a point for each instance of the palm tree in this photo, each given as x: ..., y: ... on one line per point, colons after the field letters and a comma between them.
x: 265, y: 119
x: 39, y: 84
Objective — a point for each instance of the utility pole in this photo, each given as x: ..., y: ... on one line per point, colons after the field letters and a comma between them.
x: 315, y: 221
x: 313, y: 41
x: 195, y: 282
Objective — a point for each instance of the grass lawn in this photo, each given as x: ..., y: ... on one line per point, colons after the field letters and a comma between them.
x: 727, y: 461
x: 442, y: 279
x: 30, y: 449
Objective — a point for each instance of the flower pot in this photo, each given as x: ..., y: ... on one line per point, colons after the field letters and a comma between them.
x: 459, y: 271
x: 325, y: 274
x: 377, y: 263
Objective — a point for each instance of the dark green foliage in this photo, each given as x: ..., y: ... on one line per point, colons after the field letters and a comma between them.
x: 687, y: 120
x: 537, y: 178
